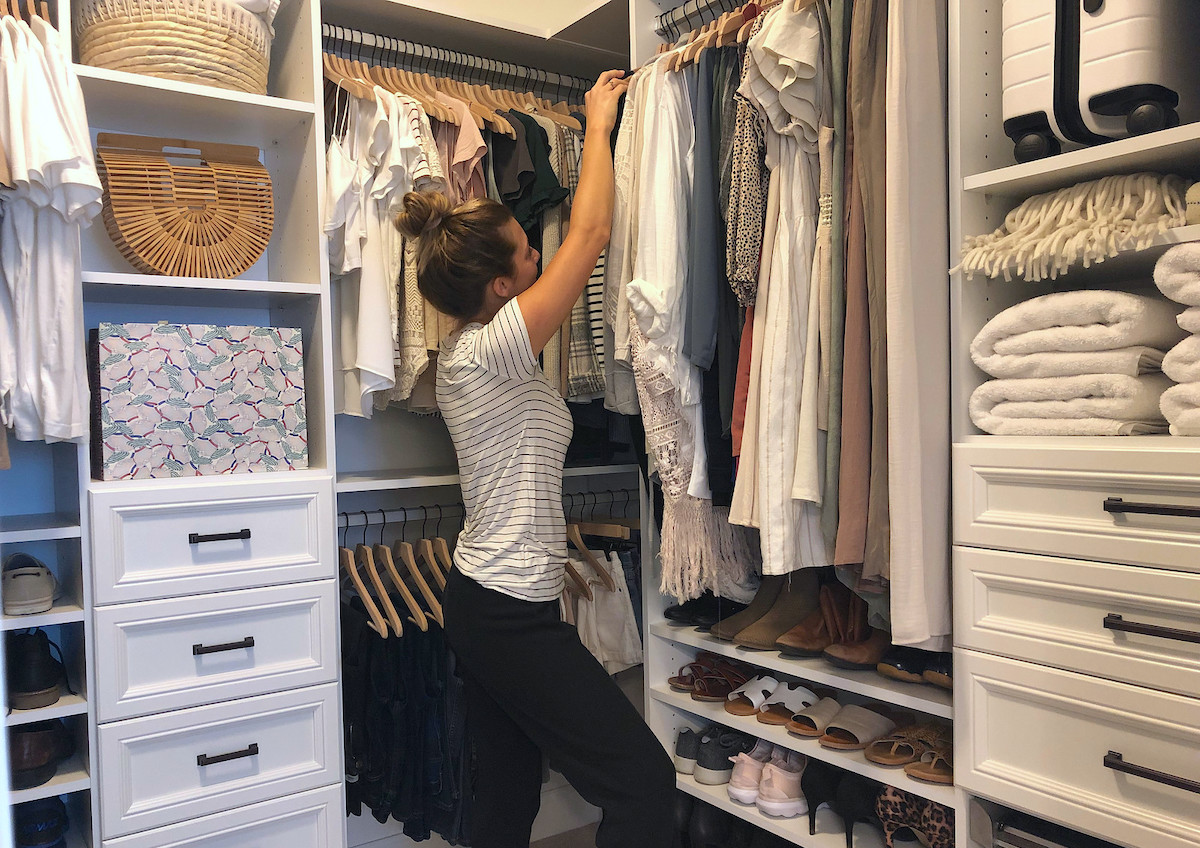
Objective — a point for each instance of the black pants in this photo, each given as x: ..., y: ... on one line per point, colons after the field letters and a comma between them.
x: 532, y: 688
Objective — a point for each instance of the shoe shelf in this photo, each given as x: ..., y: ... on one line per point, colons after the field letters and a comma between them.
x: 71, y: 777
x: 853, y: 761
x: 38, y: 527
x: 922, y: 697
x: 1175, y: 150
x: 830, y: 833
x: 67, y: 705
x: 61, y: 613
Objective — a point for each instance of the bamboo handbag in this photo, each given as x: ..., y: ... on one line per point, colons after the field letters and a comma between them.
x: 211, y: 216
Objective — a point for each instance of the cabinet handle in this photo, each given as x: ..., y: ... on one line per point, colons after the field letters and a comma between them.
x: 206, y: 760
x: 200, y: 538
x: 1118, y: 505
x: 1116, y: 762
x: 1112, y: 621
x: 198, y: 650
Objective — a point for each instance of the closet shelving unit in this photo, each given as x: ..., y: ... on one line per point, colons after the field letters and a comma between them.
x: 1043, y: 691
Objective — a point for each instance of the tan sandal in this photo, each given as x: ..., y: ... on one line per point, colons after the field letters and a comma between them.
x: 934, y: 767
x: 812, y: 721
x: 854, y: 728
x: 908, y: 744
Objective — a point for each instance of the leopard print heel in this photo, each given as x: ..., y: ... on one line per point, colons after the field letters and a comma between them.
x: 932, y: 822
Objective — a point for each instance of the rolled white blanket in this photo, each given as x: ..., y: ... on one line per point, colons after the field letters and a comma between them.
x: 1181, y: 406
x: 1177, y: 273
x: 1189, y: 319
x: 1182, y: 362
x: 1078, y: 332
x: 1083, y: 405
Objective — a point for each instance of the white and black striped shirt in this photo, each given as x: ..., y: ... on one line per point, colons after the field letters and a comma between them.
x: 510, y: 430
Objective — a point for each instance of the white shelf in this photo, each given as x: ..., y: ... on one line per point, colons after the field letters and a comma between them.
x: 921, y: 697
x: 38, y: 527
x: 95, y: 282
x: 199, y: 482
x: 830, y: 833
x: 123, y: 102
x: 71, y: 777
x: 68, y: 705
x: 384, y: 481
x: 853, y: 761
x: 61, y: 613
x: 1176, y: 150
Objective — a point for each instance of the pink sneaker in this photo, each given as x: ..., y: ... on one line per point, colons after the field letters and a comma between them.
x: 747, y: 769
x: 779, y: 791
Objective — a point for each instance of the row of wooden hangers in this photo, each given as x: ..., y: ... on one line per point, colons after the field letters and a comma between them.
x: 725, y: 31
x: 485, y: 103
x: 26, y: 10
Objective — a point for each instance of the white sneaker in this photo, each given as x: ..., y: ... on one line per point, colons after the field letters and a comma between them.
x: 747, y: 770
x: 27, y: 585
x: 779, y: 791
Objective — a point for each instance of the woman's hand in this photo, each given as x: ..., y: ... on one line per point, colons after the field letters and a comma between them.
x: 603, y: 98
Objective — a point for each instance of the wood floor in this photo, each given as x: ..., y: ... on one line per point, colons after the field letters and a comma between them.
x: 584, y: 837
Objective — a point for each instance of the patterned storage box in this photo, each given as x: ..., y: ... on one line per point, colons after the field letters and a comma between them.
x: 178, y: 400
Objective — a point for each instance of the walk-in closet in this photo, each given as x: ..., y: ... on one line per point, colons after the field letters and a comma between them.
x: 870, y: 414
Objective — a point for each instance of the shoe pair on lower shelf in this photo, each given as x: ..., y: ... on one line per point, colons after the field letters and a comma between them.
x: 702, y: 825
x: 28, y: 587
x: 40, y: 824
x: 35, y: 751
x: 707, y: 754
x: 33, y: 676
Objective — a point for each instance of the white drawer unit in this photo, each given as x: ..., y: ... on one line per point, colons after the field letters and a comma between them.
x: 171, y: 767
x: 1118, y: 761
x: 1139, y: 625
x: 162, y: 540
x: 1132, y: 505
x: 183, y: 652
x: 305, y: 820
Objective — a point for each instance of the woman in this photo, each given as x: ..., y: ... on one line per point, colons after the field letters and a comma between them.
x: 531, y: 686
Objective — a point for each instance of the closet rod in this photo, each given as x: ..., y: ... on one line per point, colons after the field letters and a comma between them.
x: 586, y: 502
x: 691, y: 15
x: 437, y: 61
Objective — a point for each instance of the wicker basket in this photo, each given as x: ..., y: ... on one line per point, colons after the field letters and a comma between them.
x: 209, y: 219
x: 211, y: 42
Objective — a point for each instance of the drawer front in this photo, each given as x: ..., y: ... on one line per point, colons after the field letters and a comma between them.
x: 154, y: 656
x: 252, y: 750
x: 1038, y: 739
x: 156, y: 541
x: 1139, y: 625
x: 1052, y: 501
x: 306, y: 820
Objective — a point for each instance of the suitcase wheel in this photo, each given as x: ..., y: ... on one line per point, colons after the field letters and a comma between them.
x: 1150, y: 116
x: 1035, y: 145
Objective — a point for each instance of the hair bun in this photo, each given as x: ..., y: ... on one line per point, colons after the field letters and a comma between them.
x: 423, y: 212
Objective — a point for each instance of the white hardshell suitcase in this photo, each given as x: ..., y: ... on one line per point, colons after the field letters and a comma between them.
x: 1088, y: 71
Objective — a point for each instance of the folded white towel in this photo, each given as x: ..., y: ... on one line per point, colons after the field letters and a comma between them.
x: 1078, y: 332
x: 1083, y: 405
x: 1177, y: 273
x: 1182, y: 362
x: 1181, y: 405
x: 1189, y: 319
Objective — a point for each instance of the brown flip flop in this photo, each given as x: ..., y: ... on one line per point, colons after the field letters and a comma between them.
x: 907, y: 745
x: 934, y: 767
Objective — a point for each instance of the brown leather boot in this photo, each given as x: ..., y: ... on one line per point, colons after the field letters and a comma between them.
x: 865, y: 654
x: 798, y: 597
x: 818, y: 629
x: 764, y: 599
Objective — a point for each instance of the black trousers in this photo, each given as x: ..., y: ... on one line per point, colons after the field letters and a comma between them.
x: 532, y: 688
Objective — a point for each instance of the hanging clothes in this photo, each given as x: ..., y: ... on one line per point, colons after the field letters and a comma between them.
x: 606, y: 623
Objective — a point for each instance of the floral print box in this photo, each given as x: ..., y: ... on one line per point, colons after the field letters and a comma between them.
x: 178, y: 400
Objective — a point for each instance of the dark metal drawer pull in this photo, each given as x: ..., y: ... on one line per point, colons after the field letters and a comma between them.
x: 206, y: 760
x: 1118, y: 505
x: 1116, y: 762
x: 199, y: 538
x: 1112, y: 621
x: 198, y: 650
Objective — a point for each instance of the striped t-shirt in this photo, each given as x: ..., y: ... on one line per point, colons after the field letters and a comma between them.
x: 510, y: 430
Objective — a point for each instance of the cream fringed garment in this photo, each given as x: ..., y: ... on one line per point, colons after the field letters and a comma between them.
x: 700, y: 549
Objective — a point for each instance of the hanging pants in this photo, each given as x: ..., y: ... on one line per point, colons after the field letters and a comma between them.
x: 532, y: 688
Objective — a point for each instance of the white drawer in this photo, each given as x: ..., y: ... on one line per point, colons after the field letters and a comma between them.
x: 1038, y: 739
x: 158, y: 539
x: 150, y: 767
x: 1060, y: 612
x: 166, y: 655
x: 307, y: 820
x: 1051, y: 499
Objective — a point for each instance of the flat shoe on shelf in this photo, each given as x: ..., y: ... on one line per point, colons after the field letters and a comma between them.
x: 940, y: 671
x: 904, y: 663
x: 812, y: 721
x: 685, y: 681
x: 747, y: 698
x: 787, y: 700
x: 908, y: 744
x: 717, y: 684
x: 933, y: 767
x: 854, y: 728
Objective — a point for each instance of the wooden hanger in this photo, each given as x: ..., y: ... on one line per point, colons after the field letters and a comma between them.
x: 364, y: 555
x: 576, y: 539
x: 376, y: 621
x: 425, y: 552
x: 332, y: 71
x: 404, y: 551
x: 731, y: 23
x: 608, y: 531
x: 416, y: 615
x: 577, y: 585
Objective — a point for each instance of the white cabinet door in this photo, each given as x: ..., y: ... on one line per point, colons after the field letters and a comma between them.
x: 167, y: 655
x: 1089, y: 753
x: 1129, y: 505
x: 162, y: 540
x: 306, y: 820
x: 176, y: 766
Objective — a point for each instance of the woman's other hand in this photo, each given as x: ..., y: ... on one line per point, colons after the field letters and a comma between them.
x: 603, y: 98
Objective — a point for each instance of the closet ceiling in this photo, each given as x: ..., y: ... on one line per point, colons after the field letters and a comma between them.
x: 544, y: 18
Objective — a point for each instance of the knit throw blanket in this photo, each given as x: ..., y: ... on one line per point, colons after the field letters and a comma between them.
x: 1083, y: 224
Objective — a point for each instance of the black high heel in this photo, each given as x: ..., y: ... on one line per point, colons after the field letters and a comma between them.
x: 855, y: 802
x: 819, y: 784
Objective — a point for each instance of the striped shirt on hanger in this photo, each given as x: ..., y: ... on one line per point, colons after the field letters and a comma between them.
x: 510, y: 430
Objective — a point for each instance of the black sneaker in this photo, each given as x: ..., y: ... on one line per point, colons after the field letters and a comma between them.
x: 687, y: 746
x: 40, y: 824
x: 713, y: 766
x: 33, y: 675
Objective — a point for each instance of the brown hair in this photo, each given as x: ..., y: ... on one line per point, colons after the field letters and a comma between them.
x: 460, y: 249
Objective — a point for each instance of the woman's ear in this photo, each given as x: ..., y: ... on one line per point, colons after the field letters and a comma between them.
x: 504, y: 287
